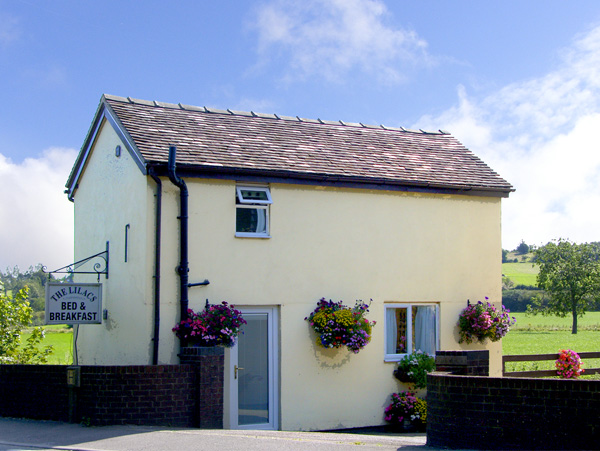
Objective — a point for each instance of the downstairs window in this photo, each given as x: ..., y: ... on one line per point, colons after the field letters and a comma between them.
x: 409, y: 328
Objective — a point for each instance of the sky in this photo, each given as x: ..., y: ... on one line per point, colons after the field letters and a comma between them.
x: 517, y: 82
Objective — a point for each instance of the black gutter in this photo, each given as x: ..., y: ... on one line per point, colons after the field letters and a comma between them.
x: 183, y: 267
x: 157, y: 243
x: 342, y: 181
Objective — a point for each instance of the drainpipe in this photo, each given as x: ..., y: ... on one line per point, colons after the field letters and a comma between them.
x: 157, y: 243
x: 183, y: 267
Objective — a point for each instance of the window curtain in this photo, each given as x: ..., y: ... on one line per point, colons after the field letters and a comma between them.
x: 425, y: 329
x: 391, y: 328
x: 261, y: 220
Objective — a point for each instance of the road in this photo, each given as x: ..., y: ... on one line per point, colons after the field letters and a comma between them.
x: 21, y: 435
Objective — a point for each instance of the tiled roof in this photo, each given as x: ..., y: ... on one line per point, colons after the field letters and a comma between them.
x: 253, y: 143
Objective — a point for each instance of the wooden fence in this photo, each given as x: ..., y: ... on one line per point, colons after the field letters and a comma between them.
x: 541, y: 357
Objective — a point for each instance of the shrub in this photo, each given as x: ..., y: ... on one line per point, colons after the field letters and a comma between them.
x: 16, y: 315
x: 517, y: 299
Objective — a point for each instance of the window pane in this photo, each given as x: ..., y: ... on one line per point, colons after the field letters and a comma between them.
x: 248, y: 194
x: 396, y: 330
x: 251, y: 220
x: 424, y: 329
x: 411, y: 328
x: 253, y: 382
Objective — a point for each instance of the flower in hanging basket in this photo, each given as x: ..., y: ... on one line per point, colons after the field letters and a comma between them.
x: 568, y: 364
x: 414, y: 367
x: 216, y: 325
x: 480, y: 321
x: 337, y: 325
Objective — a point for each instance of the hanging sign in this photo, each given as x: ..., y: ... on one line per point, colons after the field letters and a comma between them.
x: 73, y: 303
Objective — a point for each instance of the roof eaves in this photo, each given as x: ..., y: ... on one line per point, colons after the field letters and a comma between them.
x: 104, y: 111
x: 292, y: 177
x: 126, y: 138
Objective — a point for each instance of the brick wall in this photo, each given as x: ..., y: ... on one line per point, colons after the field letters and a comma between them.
x: 468, y: 363
x: 34, y: 391
x: 512, y: 413
x: 187, y: 395
x: 150, y: 395
x: 210, y: 363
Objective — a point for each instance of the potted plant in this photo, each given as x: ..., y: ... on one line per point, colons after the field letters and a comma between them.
x: 478, y: 322
x: 216, y: 325
x: 413, y: 368
x: 337, y: 325
x: 406, y: 412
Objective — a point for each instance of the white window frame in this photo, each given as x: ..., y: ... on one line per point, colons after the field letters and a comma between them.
x: 255, y: 204
x: 393, y: 357
x: 263, y: 189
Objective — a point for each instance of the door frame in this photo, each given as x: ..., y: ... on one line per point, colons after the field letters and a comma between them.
x: 273, y: 345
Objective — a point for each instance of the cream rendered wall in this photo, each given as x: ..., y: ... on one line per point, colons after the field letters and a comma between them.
x: 341, y: 244
x: 113, y: 192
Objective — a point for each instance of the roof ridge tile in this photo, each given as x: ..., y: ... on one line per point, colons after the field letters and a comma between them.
x: 116, y: 98
x: 192, y: 108
x: 231, y: 112
x: 167, y: 105
x: 217, y: 111
x: 141, y: 101
x: 241, y: 113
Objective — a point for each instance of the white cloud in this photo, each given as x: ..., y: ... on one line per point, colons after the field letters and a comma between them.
x: 36, y: 219
x: 329, y: 38
x: 541, y: 135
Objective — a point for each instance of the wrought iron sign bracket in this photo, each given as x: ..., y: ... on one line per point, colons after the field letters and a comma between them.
x: 99, y: 267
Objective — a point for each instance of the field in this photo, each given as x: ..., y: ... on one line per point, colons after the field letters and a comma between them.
x: 550, y: 334
x: 520, y: 273
x: 61, y: 338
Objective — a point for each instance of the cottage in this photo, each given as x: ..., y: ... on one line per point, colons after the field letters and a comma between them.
x: 282, y: 211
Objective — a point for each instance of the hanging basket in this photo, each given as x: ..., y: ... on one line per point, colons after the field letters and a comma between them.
x: 402, y: 376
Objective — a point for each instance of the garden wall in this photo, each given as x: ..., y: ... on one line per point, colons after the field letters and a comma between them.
x: 188, y: 395
x: 476, y: 412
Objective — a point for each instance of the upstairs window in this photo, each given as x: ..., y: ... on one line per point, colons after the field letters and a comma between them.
x: 252, y: 211
x: 409, y: 328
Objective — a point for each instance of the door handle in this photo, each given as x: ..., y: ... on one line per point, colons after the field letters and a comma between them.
x: 235, y: 370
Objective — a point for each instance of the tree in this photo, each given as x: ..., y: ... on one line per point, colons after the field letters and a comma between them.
x: 522, y: 248
x: 35, y: 279
x: 570, y: 275
x: 16, y: 315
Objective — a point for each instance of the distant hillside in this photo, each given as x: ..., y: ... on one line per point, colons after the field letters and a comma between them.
x: 519, y: 280
x: 521, y: 273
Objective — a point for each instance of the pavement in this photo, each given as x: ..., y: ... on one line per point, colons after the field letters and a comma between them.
x: 21, y: 434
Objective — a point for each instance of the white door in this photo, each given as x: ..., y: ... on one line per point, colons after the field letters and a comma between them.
x: 254, y: 371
